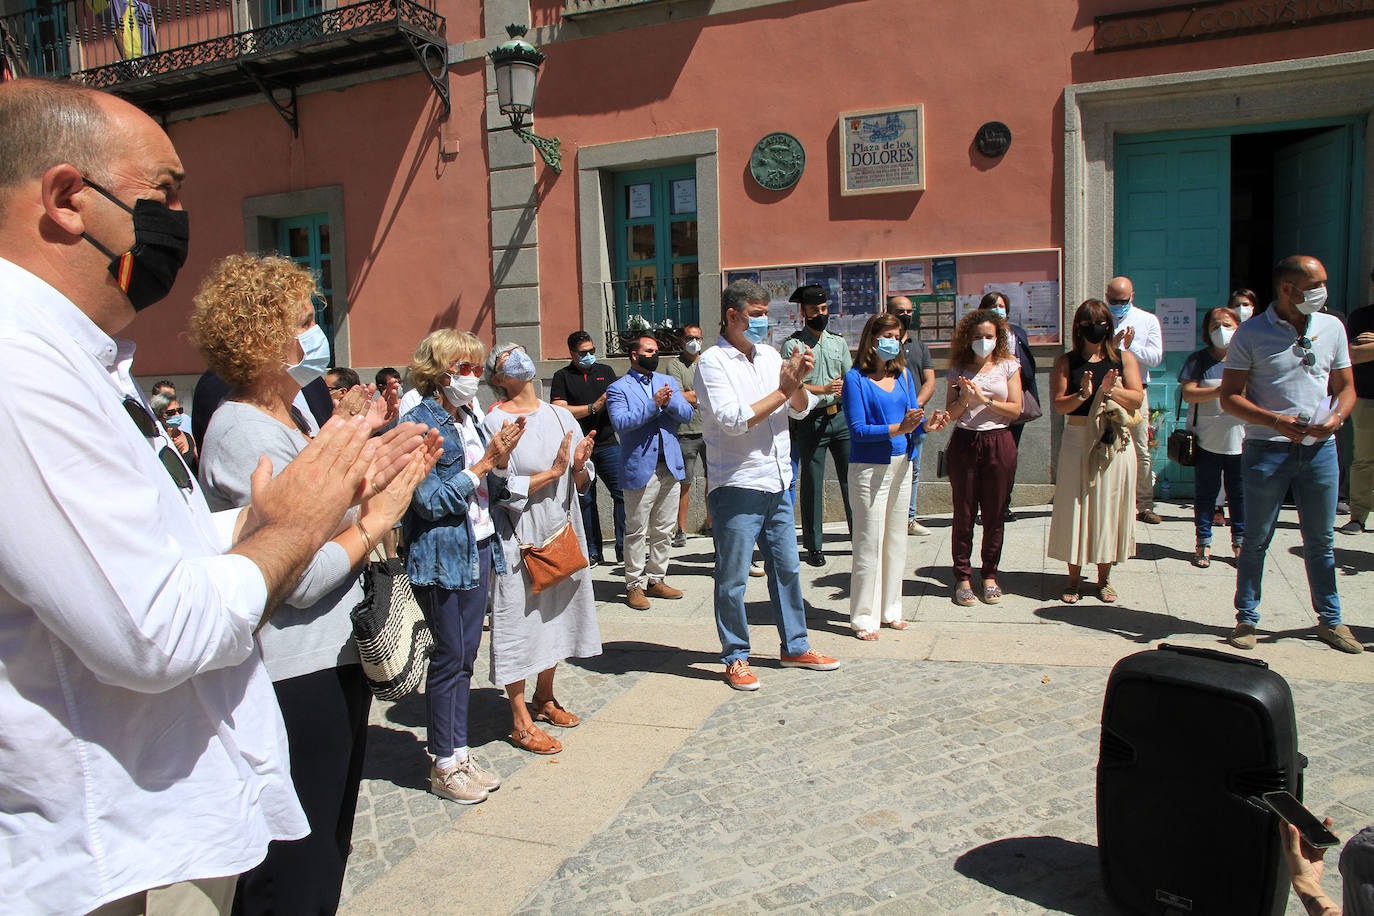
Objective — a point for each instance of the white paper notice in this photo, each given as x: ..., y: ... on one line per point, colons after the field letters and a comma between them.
x: 1178, y: 323
x: 1323, y: 413
x: 641, y: 201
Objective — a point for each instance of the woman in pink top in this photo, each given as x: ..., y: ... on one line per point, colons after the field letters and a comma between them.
x: 984, y: 398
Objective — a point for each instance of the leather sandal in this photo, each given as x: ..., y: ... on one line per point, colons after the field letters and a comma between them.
x: 1106, y: 592
x: 1071, y: 594
x: 535, y: 740
x: 866, y: 635
x: 552, y: 712
x: 896, y: 624
x: 1202, y: 558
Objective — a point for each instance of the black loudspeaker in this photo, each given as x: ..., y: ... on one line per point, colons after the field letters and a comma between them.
x: 1189, y: 736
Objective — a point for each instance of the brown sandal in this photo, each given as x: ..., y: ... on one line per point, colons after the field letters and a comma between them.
x: 552, y: 712
x: 535, y: 740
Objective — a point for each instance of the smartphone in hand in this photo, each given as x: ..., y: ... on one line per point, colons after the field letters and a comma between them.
x: 1314, y: 832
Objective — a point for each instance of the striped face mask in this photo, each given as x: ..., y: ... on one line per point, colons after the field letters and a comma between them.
x: 162, y: 236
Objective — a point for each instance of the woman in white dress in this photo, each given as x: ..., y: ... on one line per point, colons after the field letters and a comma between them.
x: 531, y: 633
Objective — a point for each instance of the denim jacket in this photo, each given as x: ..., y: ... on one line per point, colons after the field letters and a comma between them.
x: 442, y: 549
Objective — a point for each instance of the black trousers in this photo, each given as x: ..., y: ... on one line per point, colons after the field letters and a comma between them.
x: 326, y: 726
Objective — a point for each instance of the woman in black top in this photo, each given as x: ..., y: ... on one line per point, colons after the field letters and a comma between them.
x: 1097, y: 388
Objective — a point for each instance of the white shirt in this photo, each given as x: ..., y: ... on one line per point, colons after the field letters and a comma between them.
x: 727, y: 383
x: 411, y: 399
x: 140, y: 740
x: 1148, y: 344
x: 1267, y: 347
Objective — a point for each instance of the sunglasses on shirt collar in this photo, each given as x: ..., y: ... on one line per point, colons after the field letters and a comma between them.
x: 181, y: 475
x: 1305, y: 345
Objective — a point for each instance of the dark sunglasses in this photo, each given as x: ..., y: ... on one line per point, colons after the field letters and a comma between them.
x: 173, y: 412
x: 1305, y: 344
x: 181, y: 476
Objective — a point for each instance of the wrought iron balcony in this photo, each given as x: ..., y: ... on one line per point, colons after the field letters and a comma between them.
x: 572, y: 9
x: 661, y: 306
x: 165, y: 55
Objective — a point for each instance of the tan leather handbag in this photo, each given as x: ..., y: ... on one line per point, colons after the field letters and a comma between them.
x: 560, y: 555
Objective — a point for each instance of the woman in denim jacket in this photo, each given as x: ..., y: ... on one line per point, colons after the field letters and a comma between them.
x: 452, y: 552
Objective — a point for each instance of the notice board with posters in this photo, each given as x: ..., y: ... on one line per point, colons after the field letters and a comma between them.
x: 945, y: 288
x: 942, y: 288
x: 854, y: 289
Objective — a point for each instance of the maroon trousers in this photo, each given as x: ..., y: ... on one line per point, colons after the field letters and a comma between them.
x: 982, y: 467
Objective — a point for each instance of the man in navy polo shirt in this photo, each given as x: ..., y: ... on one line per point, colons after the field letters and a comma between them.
x: 581, y: 388
x: 1278, y: 370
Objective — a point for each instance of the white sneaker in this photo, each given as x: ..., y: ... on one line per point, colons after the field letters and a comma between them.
x: 916, y: 528
x: 479, y: 774
x: 456, y: 784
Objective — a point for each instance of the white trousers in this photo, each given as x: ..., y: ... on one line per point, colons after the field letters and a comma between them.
x: 879, y: 495
x: 650, y: 515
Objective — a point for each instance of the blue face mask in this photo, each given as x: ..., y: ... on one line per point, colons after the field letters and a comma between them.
x: 518, y: 366
x: 1001, y: 312
x: 587, y: 360
x: 313, y: 364
x: 1119, y: 311
x: 887, y: 347
x: 176, y: 420
x: 757, y: 330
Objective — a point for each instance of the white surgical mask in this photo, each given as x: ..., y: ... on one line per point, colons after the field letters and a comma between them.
x: 983, y: 347
x: 1312, y: 300
x: 692, y: 346
x: 315, y: 362
x: 460, y: 389
x: 1246, y: 311
x: 1221, y: 336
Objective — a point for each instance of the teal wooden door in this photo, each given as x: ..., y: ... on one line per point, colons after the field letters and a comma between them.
x: 1312, y: 206
x: 306, y: 240
x: 1173, y: 238
x: 656, y: 247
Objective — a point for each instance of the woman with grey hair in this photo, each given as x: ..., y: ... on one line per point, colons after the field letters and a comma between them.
x: 168, y: 411
x: 531, y: 633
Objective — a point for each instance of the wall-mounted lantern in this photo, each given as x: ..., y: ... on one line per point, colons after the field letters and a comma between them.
x: 517, y: 70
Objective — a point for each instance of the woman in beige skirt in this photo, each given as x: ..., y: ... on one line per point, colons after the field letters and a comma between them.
x: 1097, y: 387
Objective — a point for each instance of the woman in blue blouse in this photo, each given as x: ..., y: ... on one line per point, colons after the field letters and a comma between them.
x: 879, y: 398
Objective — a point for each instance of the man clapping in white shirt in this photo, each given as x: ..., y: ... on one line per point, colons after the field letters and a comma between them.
x: 1138, y: 331
x: 745, y: 393
x: 143, y: 753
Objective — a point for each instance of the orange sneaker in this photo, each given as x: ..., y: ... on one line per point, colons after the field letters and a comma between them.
x: 810, y: 659
x: 739, y: 676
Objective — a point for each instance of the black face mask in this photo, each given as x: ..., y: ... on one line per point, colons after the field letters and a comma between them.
x: 1095, y: 332
x: 818, y: 323
x: 905, y: 319
x: 162, y: 236
x: 647, y: 363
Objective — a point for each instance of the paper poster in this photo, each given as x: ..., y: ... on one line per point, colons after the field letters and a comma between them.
x: 944, y: 275
x: 906, y: 277
x: 732, y: 275
x: 1178, y: 323
x: 641, y: 201
x: 827, y: 275
x: 684, y: 196
x: 1034, y: 306
x: 783, y: 317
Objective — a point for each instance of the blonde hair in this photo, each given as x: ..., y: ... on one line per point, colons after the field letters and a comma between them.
x: 246, y: 312
x: 436, y: 353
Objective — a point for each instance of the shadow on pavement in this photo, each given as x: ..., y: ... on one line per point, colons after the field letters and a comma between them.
x: 1348, y: 562
x: 399, y: 756
x: 1137, y: 626
x: 1047, y: 871
x: 626, y: 656
x: 1154, y: 551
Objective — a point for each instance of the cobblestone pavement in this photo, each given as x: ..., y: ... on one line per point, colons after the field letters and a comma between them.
x: 900, y: 787
x: 949, y: 768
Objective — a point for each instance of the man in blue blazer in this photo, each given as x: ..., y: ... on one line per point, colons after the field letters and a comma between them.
x: 645, y: 408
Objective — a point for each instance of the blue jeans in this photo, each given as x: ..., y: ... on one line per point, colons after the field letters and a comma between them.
x: 1208, y: 473
x: 1269, y: 469
x: 455, y: 618
x: 739, y: 518
x: 915, y: 473
x: 607, y: 462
